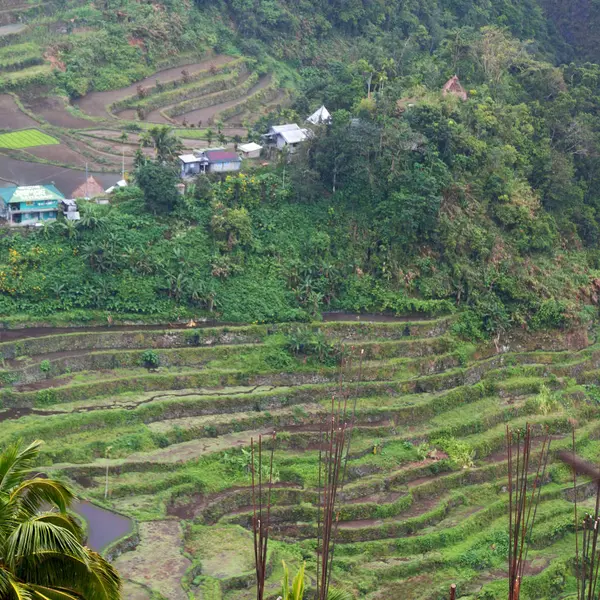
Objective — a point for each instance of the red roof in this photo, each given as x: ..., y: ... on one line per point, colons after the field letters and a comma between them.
x: 221, y: 156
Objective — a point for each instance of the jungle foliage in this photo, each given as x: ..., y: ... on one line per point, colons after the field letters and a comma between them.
x: 409, y: 201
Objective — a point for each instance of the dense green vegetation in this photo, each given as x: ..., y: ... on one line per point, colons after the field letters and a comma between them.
x: 409, y: 201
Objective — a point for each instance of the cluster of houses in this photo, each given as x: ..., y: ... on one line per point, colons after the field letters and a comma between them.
x: 286, y: 137
x: 36, y: 204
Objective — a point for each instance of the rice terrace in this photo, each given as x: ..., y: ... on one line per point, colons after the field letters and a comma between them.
x: 155, y: 425
x: 26, y: 138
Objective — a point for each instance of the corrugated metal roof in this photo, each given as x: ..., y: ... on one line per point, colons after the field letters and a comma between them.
x: 30, y: 193
x: 282, y: 128
x: 221, y: 156
x: 251, y: 147
x: 189, y: 158
x: 293, y: 137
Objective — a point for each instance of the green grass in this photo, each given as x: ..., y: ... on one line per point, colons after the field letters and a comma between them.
x: 26, y: 138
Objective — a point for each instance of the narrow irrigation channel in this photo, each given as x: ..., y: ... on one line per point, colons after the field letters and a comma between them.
x: 17, y: 333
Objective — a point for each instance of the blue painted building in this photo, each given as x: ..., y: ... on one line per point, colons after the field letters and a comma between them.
x: 29, y: 204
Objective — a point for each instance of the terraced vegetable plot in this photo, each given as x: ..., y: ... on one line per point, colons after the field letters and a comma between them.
x: 425, y: 501
x: 27, y: 138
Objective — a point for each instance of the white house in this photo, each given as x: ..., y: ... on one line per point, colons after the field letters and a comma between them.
x: 214, y: 160
x: 250, y: 150
x: 289, y: 135
x: 320, y: 116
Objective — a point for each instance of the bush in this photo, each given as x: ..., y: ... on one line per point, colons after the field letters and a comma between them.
x: 150, y: 359
x: 459, y: 452
x: 45, y: 366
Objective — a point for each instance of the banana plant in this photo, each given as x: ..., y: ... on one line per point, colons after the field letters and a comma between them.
x: 295, y: 591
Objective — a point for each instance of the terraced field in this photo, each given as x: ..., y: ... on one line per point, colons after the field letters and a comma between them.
x: 198, y: 94
x: 425, y: 501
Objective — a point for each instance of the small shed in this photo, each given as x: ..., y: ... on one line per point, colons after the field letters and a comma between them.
x: 320, y: 116
x: 251, y: 150
x: 453, y: 87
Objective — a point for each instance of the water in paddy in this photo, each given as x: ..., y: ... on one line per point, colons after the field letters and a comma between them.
x: 104, y: 526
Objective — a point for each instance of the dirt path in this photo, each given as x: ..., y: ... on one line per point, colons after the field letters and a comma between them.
x: 95, y: 103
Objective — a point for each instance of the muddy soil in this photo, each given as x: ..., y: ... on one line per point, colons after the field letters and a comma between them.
x: 60, y: 153
x: 54, y: 111
x: 11, y: 117
x: 95, y: 103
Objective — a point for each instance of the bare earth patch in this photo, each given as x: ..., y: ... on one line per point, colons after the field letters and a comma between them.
x: 157, y: 562
x: 133, y: 591
x: 11, y: 117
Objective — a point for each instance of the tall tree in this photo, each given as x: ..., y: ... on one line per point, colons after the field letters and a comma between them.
x: 41, y: 552
x: 158, y: 181
x: 166, y: 145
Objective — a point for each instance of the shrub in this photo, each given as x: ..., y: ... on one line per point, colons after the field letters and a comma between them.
x: 45, y: 366
x: 545, y: 402
x: 150, y: 359
x: 458, y: 451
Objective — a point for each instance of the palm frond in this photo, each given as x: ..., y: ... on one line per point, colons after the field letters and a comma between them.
x: 31, y: 539
x: 339, y: 594
x: 42, y: 554
x: 40, y: 592
x: 16, y: 462
x: 33, y: 493
x: 90, y: 576
x: 63, y: 520
x: 10, y: 588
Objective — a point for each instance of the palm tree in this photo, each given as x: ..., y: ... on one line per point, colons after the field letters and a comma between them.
x: 41, y: 554
x: 166, y: 145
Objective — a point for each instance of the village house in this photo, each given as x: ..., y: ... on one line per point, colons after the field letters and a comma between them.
x: 286, y: 136
x: 214, y: 160
x: 29, y: 204
x: 251, y: 150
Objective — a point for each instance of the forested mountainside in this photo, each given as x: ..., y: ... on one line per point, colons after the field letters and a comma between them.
x: 410, y: 200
